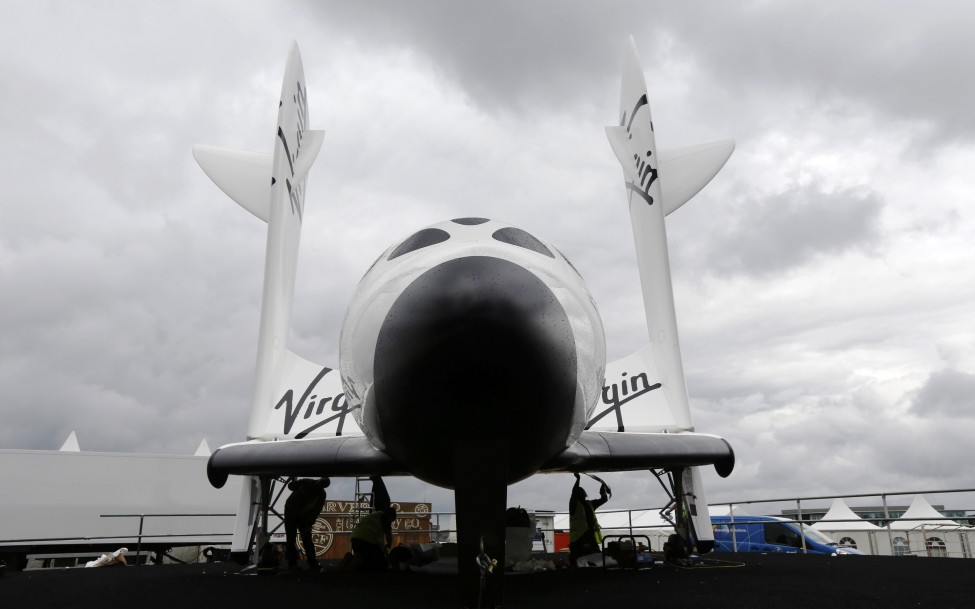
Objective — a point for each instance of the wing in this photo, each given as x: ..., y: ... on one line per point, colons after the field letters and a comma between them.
x: 328, y: 456
x: 630, y: 451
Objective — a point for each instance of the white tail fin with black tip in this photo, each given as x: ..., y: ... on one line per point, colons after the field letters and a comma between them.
x: 633, y: 142
x: 647, y: 390
x: 292, y: 397
x: 656, y: 184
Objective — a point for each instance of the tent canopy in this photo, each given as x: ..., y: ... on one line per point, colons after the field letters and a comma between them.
x: 921, y: 514
x: 840, y: 511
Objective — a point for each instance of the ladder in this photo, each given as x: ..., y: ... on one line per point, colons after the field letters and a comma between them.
x: 363, y: 500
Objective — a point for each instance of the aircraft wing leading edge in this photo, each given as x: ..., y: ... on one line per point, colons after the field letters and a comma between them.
x: 602, y: 451
x: 610, y: 451
x: 330, y: 456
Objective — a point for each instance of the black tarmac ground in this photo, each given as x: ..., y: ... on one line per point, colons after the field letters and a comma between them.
x: 734, y: 581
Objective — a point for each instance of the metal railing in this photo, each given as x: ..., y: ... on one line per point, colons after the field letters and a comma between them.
x: 142, y: 519
x: 907, y: 545
x: 964, y: 542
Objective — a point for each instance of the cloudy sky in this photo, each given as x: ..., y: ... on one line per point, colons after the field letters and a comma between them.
x: 824, y: 280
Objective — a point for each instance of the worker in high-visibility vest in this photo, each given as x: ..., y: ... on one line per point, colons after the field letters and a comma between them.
x: 371, y: 539
x: 584, y: 535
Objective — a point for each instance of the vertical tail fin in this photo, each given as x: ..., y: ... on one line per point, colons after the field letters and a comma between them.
x: 272, y: 187
x: 656, y: 184
x: 295, y: 149
x: 633, y: 142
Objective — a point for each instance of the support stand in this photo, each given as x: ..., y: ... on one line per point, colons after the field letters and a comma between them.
x: 259, y: 549
x: 678, y: 548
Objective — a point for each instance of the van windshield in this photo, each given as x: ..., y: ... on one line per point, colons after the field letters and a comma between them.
x: 818, y: 537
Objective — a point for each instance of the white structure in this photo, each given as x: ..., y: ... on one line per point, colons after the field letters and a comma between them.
x: 71, y: 444
x: 848, y: 529
x: 921, y: 531
x: 203, y: 450
x: 55, y: 499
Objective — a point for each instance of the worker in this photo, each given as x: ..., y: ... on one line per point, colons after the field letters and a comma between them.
x: 585, y: 537
x: 371, y: 539
x: 380, y: 496
x: 300, y: 512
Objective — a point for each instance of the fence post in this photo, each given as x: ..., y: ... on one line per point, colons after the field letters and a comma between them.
x: 802, y: 531
x: 734, y: 536
x: 138, y: 547
x: 890, y: 535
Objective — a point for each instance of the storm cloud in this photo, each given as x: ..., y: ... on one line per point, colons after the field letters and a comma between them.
x: 823, y: 280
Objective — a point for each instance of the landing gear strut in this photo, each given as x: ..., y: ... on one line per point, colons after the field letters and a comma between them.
x: 259, y: 547
x: 687, y: 511
x: 480, y: 496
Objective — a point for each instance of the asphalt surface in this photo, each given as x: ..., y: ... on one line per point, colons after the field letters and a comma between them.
x: 737, y: 581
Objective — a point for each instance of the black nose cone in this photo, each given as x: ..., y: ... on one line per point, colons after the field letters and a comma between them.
x: 477, y: 348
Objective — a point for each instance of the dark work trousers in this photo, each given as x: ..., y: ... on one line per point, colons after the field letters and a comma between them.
x: 368, y: 556
x: 290, y: 531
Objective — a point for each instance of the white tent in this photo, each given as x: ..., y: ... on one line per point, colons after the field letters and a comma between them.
x: 848, y: 529
x: 71, y: 444
x: 844, y: 519
x: 923, y: 531
x: 921, y: 514
x: 59, y: 497
x: 203, y: 450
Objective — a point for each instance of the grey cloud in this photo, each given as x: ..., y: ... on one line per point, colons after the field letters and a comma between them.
x: 948, y: 393
x: 504, y: 54
x: 517, y: 55
x: 919, y: 448
x: 903, y: 61
x: 787, y: 230
x: 816, y: 443
x: 113, y: 337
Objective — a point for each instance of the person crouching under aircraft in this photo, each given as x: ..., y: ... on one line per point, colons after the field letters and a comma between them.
x: 585, y: 537
x: 371, y: 539
x: 300, y: 512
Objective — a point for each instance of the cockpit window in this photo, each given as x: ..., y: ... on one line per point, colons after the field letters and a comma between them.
x: 418, y: 240
x: 516, y: 236
x: 469, y: 221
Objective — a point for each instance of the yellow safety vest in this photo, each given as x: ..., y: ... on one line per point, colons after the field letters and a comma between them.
x: 579, y: 523
x: 370, y: 529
